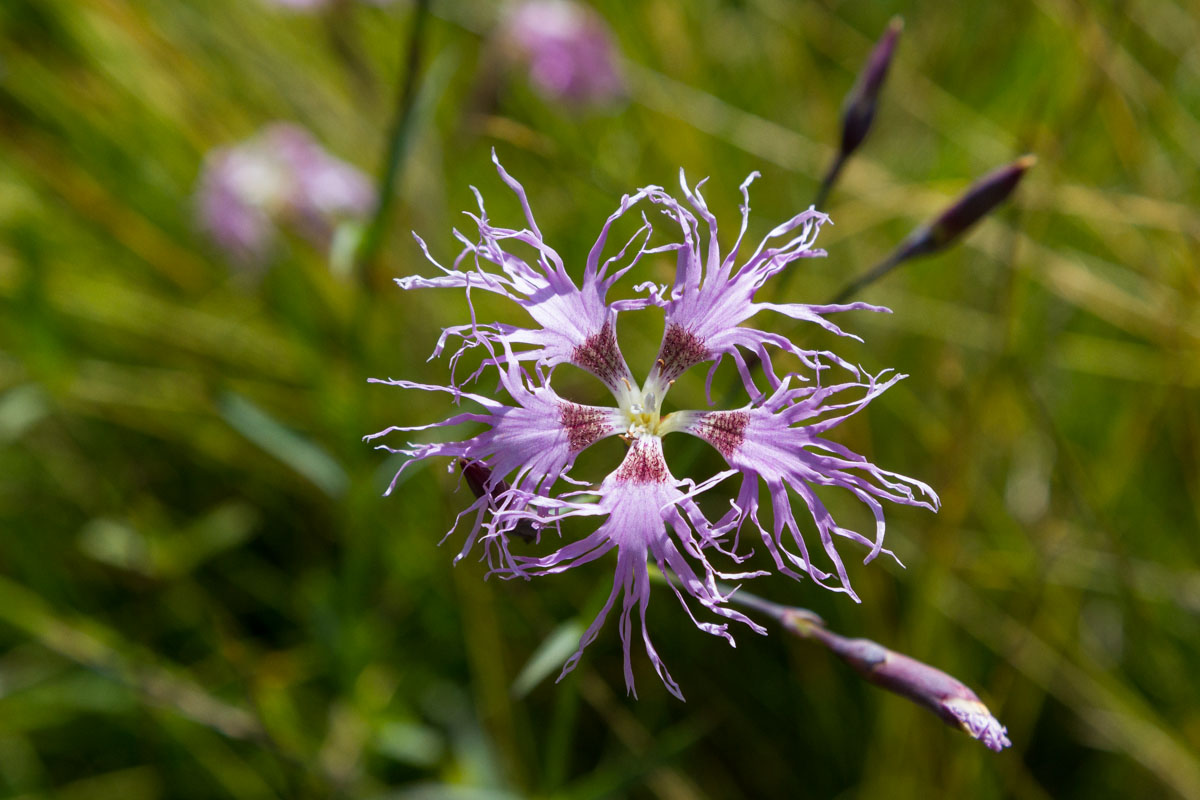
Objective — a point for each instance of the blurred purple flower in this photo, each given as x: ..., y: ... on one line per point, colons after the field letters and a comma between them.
x: 568, y: 49
x: 282, y: 176
x: 313, y: 5
x: 644, y: 511
x: 300, y: 5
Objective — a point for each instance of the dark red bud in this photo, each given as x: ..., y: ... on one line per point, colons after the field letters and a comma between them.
x: 975, y: 203
x: 479, y: 480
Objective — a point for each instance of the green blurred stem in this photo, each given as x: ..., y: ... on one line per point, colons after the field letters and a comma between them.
x: 345, y: 44
x: 827, y: 182
x: 870, y: 276
x: 399, y: 137
x: 831, y: 176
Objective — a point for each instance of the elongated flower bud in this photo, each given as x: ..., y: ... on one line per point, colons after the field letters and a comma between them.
x: 927, y: 686
x: 859, y: 109
x: 478, y: 477
x: 976, y: 202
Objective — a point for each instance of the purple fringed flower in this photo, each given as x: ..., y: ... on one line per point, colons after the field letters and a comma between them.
x: 516, y: 466
x: 281, y: 176
x: 568, y: 49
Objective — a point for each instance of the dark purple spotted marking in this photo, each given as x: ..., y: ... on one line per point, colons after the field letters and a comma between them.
x: 644, y: 463
x: 600, y: 356
x: 680, y: 350
x: 724, y: 430
x: 584, y: 426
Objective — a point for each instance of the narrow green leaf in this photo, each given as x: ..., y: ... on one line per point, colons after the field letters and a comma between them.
x: 548, y: 657
x: 294, y: 450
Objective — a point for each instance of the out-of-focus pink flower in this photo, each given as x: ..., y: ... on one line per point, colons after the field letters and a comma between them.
x: 300, y: 5
x: 284, y: 177
x: 315, y: 5
x: 568, y: 49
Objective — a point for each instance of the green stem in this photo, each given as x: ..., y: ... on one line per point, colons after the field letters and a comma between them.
x: 399, y: 136
x: 870, y: 276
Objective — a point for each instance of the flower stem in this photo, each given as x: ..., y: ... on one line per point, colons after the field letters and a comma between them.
x: 870, y: 276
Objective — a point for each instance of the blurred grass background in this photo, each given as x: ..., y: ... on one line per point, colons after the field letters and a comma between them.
x: 202, y: 593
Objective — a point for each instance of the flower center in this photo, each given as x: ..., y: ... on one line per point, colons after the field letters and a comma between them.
x: 644, y: 416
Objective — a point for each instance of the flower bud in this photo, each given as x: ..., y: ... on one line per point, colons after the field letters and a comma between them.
x: 859, y: 109
x: 976, y: 202
x: 927, y: 686
x: 479, y: 480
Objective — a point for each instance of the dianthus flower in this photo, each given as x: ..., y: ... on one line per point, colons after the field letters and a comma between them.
x: 568, y: 49
x: 530, y: 441
x: 280, y: 176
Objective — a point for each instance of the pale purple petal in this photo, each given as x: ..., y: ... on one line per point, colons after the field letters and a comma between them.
x: 232, y: 203
x: 526, y: 446
x: 713, y: 295
x: 772, y: 442
x: 575, y: 325
x: 644, y: 505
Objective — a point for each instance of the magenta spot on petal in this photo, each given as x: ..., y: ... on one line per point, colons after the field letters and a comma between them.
x: 680, y: 350
x: 724, y: 430
x: 585, y: 426
x: 644, y: 463
x: 600, y: 356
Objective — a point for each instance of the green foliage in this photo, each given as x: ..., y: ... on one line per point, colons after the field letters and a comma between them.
x: 203, y: 593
